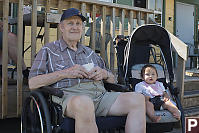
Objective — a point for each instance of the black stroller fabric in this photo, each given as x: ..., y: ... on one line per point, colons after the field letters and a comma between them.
x: 147, y: 35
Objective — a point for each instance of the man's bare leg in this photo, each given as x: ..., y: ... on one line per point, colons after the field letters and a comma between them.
x: 132, y: 105
x: 81, y: 108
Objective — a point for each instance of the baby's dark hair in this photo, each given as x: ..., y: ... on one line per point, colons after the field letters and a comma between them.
x: 144, y: 68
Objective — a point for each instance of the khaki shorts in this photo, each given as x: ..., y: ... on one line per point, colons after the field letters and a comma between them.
x: 102, y: 99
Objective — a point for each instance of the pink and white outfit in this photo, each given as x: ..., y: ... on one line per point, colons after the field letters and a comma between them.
x: 150, y: 90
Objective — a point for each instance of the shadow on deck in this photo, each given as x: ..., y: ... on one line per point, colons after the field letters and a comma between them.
x: 10, y: 125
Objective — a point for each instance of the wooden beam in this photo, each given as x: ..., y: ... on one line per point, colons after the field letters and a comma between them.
x: 111, y: 5
x: 19, y: 57
x: 33, y: 30
x: 66, y: 4
x: 112, y: 49
x: 147, y: 18
x: 46, y: 24
x: 103, y: 31
x: 5, y: 59
x: 130, y: 23
x: 83, y: 10
x: 93, y: 27
x: 139, y: 18
x: 71, y: 4
x: 180, y: 76
x: 121, y: 26
x: 60, y: 8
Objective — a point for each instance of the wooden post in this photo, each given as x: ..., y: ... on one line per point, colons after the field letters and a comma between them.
x: 47, y: 25
x: 139, y: 18
x: 103, y: 31
x: 5, y: 59
x: 19, y: 56
x: 83, y: 10
x: 33, y: 30
x: 147, y: 14
x: 60, y: 8
x: 121, y: 26
x: 130, y: 23
x: 93, y: 27
x: 112, y: 31
x: 180, y: 76
x: 71, y: 4
x: 147, y: 18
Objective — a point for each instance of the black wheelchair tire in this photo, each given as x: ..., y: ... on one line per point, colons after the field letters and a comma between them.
x: 36, y: 97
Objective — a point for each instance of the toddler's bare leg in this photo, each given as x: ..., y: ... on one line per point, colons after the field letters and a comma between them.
x: 151, y: 112
x: 172, y: 108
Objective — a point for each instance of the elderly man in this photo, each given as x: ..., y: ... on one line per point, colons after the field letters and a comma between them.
x: 61, y: 64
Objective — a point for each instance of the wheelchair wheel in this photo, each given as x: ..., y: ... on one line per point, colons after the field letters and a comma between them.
x: 35, y: 116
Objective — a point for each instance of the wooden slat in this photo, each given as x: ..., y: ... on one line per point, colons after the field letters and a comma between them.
x: 5, y: 59
x: 71, y: 4
x: 47, y: 25
x: 93, y: 27
x: 121, y: 26
x: 147, y: 14
x: 19, y: 57
x: 33, y: 30
x: 139, y: 18
x: 83, y: 10
x: 130, y: 22
x: 147, y: 18
x: 103, y: 30
x: 112, y: 31
x: 60, y: 8
x: 180, y: 76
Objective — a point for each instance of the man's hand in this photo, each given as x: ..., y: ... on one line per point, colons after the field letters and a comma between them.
x: 97, y: 73
x: 76, y: 71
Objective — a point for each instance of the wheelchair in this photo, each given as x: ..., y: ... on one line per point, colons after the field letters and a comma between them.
x: 41, y: 115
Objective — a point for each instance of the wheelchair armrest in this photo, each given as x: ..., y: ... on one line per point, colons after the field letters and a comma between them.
x: 116, y: 87
x: 52, y: 91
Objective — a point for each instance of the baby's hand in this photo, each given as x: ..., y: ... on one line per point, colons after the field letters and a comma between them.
x: 166, y: 99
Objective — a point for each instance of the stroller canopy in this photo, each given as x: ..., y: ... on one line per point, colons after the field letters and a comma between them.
x: 137, y: 50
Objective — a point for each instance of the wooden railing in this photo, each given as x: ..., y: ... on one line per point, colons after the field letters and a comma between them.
x: 86, y: 6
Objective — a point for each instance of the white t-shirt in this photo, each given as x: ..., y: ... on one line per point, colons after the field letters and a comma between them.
x: 150, y: 90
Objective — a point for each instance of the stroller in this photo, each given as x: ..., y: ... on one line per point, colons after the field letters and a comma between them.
x: 149, y: 44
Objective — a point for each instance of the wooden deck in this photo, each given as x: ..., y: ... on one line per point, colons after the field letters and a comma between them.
x: 11, y: 98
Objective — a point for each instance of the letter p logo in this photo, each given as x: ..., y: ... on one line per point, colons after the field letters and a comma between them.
x: 192, y: 124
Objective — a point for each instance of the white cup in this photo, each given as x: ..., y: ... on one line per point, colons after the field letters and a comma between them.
x: 88, y: 66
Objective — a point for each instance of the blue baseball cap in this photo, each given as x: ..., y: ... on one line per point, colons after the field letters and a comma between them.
x: 72, y: 12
